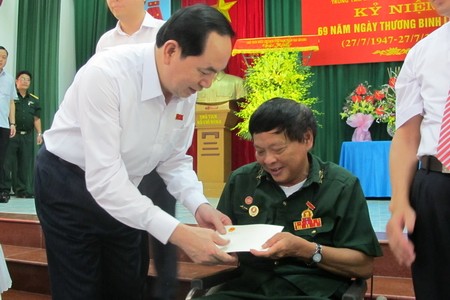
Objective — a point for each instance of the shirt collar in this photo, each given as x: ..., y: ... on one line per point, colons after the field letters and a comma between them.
x: 149, y: 22
x: 151, y: 88
x: 315, y: 173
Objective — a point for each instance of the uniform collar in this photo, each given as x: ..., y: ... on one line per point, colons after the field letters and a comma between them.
x: 316, y: 173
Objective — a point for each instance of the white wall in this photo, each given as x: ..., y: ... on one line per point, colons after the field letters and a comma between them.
x: 8, y: 32
x: 66, y: 47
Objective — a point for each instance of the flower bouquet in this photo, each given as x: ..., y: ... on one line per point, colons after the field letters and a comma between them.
x: 363, y: 106
x: 359, y: 109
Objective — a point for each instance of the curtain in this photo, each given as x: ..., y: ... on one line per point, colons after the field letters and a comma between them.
x: 92, y: 19
x: 175, y: 5
x: 37, y: 52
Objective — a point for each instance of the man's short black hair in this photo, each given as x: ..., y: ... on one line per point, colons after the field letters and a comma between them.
x: 284, y: 115
x: 23, y: 72
x: 190, y: 27
x: 3, y: 48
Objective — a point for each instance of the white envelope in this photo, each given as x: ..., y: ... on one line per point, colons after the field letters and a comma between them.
x: 245, y: 237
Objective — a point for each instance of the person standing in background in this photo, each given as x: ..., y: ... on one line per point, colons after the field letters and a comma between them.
x: 420, y: 197
x: 7, y: 114
x: 135, y: 25
x: 20, y: 154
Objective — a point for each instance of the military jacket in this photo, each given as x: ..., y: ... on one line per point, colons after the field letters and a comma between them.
x: 27, y: 108
x: 329, y: 209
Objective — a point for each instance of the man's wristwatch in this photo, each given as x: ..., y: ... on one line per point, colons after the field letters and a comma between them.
x: 317, y: 256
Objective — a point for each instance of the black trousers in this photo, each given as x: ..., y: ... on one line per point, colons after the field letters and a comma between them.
x: 164, y: 256
x: 18, y: 166
x: 430, y: 197
x: 90, y: 254
x: 4, y: 140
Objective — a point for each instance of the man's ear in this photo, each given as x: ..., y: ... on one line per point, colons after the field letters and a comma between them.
x: 170, y: 49
x: 308, y: 138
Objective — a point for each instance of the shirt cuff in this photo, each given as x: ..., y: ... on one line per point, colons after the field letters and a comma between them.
x: 162, y: 226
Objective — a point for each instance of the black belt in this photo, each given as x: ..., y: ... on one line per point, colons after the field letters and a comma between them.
x: 431, y: 163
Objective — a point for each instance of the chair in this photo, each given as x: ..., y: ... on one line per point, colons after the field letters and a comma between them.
x: 207, y: 285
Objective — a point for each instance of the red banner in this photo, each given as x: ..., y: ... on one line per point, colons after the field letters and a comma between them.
x: 356, y: 31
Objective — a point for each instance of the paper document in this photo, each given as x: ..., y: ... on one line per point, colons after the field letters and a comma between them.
x: 245, y: 237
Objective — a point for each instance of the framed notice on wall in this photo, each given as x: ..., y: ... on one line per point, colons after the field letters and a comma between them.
x: 360, y: 31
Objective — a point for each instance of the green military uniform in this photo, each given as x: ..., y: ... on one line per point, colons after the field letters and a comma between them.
x: 329, y: 209
x: 20, y: 152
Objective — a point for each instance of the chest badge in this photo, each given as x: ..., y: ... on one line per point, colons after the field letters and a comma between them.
x: 307, y: 220
x: 253, y: 211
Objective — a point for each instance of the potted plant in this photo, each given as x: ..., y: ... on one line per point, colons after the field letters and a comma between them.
x: 274, y: 74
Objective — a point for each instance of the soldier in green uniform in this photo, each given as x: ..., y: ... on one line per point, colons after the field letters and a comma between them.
x: 18, y: 167
x: 327, y: 238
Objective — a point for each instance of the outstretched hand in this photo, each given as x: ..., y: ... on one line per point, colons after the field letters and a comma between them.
x: 209, y: 217
x: 200, y: 244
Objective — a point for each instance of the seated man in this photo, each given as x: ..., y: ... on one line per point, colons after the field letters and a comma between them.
x: 327, y: 238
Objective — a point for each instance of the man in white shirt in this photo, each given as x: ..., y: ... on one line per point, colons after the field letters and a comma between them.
x: 420, y: 197
x: 7, y: 114
x: 136, y: 26
x: 129, y: 110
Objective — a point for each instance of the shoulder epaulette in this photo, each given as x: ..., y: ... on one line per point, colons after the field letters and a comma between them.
x: 34, y: 96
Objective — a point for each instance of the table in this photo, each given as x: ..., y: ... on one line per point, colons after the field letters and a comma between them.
x: 369, y: 161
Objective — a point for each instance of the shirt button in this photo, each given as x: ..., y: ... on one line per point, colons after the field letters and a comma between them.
x: 276, y: 263
x: 284, y: 203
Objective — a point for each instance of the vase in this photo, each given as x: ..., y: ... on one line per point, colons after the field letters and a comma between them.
x: 361, y: 123
x: 390, y: 128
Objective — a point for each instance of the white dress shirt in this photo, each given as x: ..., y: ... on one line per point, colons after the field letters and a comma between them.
x: 145, y: 34
x: 422, y: 86
x: 7, y: 94
x: 115, y: 124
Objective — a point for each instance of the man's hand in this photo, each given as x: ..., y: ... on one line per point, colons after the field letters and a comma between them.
x: 285, y: 244
x: 200, y: 244
x: 399, y: 244
x: 12, y: 131
x: 209, y: 217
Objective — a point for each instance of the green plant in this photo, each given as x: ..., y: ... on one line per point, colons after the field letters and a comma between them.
x: 274, y: 74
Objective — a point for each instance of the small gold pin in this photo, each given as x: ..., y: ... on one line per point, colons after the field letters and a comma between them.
x: 253, y: 211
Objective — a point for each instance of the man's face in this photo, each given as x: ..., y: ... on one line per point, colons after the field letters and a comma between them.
x: 3, y: 58
x: 23, y: 82
x: 285, y: 160
x: 442, y: 7
x: 123, y: 9
x: 188, y: 75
